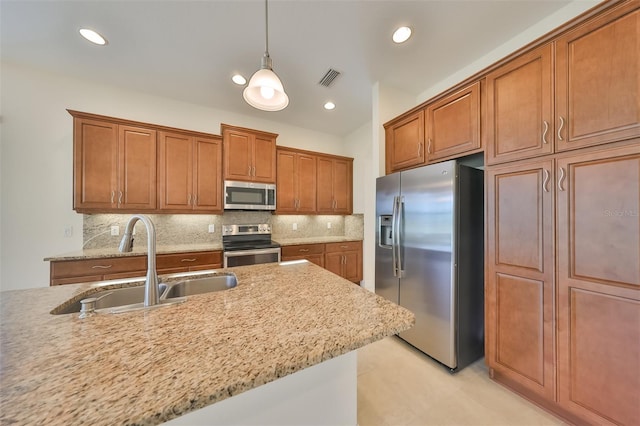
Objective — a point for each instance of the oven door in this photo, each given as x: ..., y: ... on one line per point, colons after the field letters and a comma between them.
x: 251, y: 257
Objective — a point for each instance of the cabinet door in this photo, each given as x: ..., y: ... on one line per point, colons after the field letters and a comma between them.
x: 325, y: 185
x: 207, y: 182
x: 597, y: 81
x: 333, y: 262
x: 286, y: 190
x: 136, y: 168
x: 520, y: 108
x: 306, y: 183
x: 352, y: 266
x: 175, y: 171
x: 342, y: 186
x: 238, y: 155
x: 599, y: 285
x: 264, y: 160
x: 405, y: 143
x: 95, y: 158
x: 453, y: 124
x: 519, y: 292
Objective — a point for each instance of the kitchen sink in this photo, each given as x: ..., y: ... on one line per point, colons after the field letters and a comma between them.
x: 200, y: 285
x: 131, y: 298
x: 113, y: 298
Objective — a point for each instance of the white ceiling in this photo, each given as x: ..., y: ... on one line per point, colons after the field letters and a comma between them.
x: 188, y: 50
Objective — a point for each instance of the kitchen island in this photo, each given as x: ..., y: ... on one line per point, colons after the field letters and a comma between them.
x: 148, y: 367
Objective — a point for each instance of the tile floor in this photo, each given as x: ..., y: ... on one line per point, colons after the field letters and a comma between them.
x: 399, y: 385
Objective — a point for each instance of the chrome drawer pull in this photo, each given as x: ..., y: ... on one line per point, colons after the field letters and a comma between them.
x: 304, y: 250
x: 101, y: 266
x: 188, y: 260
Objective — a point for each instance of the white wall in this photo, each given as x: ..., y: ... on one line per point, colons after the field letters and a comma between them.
x: 37, y: 149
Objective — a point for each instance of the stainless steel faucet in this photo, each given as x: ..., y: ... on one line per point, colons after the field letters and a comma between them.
x: 151, y: 285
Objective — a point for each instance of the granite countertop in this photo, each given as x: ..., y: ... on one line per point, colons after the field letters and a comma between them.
x: 313, y: 240
x: 147, y: 367
x: 140, y: 249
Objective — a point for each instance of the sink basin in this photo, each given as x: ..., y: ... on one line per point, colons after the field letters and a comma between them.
x: 113, y: 298
x: 200, y: 285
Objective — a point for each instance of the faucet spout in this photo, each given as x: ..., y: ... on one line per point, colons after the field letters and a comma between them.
x: 151, y: 286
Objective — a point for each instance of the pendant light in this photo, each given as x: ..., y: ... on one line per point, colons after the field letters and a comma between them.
x: 265, y: 91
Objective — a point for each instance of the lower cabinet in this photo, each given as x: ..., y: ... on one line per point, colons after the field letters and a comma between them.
x: 89, y: 270
x: 562, y: 299
x: 344, y: 259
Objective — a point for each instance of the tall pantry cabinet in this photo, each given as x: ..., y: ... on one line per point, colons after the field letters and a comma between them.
x: 563, y: 221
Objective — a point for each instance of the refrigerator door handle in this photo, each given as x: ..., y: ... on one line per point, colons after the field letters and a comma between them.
x: 399, y: 236
x: 394, y: 233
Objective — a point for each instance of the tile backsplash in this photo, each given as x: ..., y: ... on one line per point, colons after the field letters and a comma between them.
x: 194, y: 229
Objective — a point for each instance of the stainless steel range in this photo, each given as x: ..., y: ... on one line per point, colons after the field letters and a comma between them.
x: 248, y: 245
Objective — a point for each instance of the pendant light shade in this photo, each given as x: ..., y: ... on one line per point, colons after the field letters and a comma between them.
x: 265, y: 90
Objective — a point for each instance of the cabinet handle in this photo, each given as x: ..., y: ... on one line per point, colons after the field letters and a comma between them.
x: 195, y: 200
x: 113, y: 194
x: 561, y: 179
x: 560, y: 128
x: 546, y: 180
x: 249, y: 172
x: 120, y: 198
x: 189, y: 200
x: 101, y: 266
x: 188, y: 260
x: 344, y: 246
x: 419, y: 149
x: 544, y: 132
x: 303, y: 250
x: 254, y: 171
x: 429, y: 147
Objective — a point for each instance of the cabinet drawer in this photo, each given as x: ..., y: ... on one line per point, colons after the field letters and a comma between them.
x: 187, y: 260
x: 302, y: 250
x: 346, y: 246
x: 106, y: 266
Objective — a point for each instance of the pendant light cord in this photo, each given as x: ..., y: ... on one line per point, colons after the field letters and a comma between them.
x: 266, y: 27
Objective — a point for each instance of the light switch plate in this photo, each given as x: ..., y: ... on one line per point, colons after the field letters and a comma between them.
x: 328, y: 225
x: 212, y: 228
x: 295, y: 227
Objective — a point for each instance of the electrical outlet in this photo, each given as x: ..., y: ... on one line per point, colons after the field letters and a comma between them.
x: 328, y: 225
x: 295, y: 227
x: 212, y: 228
x: 115, y: 230
x: 68, y: 231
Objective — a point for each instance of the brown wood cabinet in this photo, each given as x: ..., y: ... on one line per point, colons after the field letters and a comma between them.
x: 114, y: 165
x: 404, y: 142
x: 345, y: 259
x: 571, y: 217
x: 520, y: 107
x: 519, y: 291
x: 296, y: 182
x: 453, y: 124
x: 249, y: 155
x: 189, y: 173
x: 311, y: 252
x: 587, y: 74
x: 599, y: 285
x: 334, y: 185
x: 597, y: 85
x: 90, y: 270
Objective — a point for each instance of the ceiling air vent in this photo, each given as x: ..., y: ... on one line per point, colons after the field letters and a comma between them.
x: 329, y: 77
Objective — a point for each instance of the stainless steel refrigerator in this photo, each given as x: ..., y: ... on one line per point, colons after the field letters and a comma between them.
x: 429, y: 257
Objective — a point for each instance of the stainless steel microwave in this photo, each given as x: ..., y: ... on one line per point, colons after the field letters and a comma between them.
x: 249, y: 195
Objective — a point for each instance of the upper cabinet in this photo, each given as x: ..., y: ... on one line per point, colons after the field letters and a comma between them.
x: 249, y: 155
x: 190, y: 172
x: 296, y: 182
x: 335, y: 183
x: 596, y: 94
x: 405, y: 142
x: 453, y: 124
x: 597, y: 84
x: 520, y: 107
x: 126, y: 166
x: 114, y: 165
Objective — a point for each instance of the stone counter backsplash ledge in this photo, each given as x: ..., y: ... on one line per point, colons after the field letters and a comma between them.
x: 194, y: 229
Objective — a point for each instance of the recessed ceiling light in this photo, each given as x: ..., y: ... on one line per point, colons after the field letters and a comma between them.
x: 93, y: 36
x: 401, y: 35
x: 329, y: 105
x: 239, y: 80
